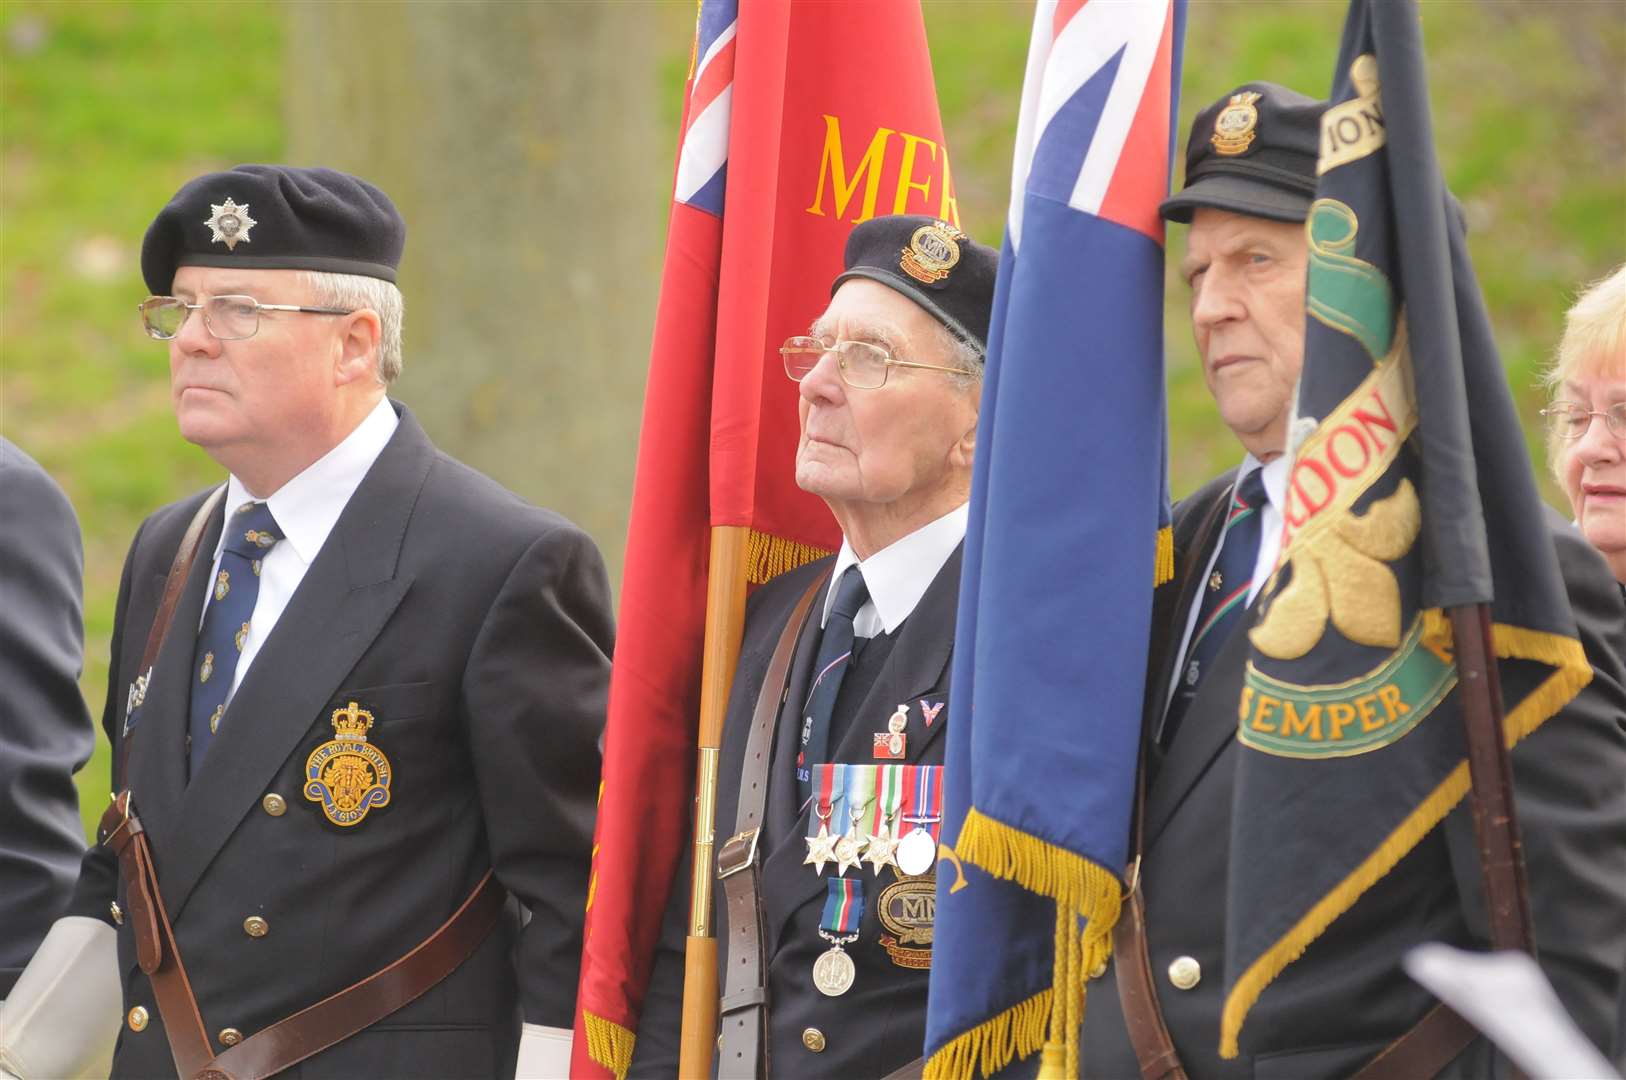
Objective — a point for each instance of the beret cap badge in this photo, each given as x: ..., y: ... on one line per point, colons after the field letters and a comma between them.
x: 1234, y: 126
x: 229, y: 223
x: 933, y: 251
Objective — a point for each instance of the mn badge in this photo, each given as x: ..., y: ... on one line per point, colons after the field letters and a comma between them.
x: 347, y: 775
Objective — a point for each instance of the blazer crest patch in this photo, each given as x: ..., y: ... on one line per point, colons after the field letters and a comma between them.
x: 347, y: 775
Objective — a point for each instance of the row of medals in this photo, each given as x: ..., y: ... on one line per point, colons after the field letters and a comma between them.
x: 913, y: 855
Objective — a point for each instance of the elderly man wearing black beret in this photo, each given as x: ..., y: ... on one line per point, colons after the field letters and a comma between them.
x: 1346, y: 1007
x: 354, y: 702
x: 830, y: 767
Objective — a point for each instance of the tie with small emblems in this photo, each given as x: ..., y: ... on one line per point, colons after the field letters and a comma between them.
x: 835, y: 653
x: 1225, y: 595
x: 250, y: 534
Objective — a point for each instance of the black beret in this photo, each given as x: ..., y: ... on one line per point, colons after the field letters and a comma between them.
x: 932, y: 263
x: 275, y: 217
x: 1252, y: 152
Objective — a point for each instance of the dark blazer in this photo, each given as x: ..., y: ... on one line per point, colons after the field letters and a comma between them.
x: 477, y: 630
x: 879, y: 1025
x: 45, y: 730
x: 1347, y: 997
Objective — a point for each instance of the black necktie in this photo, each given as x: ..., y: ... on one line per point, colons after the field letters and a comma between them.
x: 1225, y: 595
x: 835, y: 654
x: 251, y: 532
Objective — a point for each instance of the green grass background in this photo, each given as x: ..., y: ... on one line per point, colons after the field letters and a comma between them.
x: 107, y: 107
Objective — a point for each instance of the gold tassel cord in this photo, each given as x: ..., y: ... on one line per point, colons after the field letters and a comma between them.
x: 609, y: 1044
x: 1541, y: 704
x: 767, y: 557
x: 1053, y: 1058
x: 993, y: 1044
x: 1164, y: 572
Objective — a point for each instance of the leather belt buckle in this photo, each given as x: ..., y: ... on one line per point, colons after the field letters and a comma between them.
x: 115, y: 817
x: 738, y: 853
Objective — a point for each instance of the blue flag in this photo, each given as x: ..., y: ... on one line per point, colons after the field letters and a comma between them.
x: 1068, y: 537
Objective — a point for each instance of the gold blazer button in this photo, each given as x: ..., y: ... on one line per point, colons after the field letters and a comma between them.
x: 230, y: 1036
x: 254, y: 926
x: 138, y: 1019
x: 813, y: 1039
x: 274, y: 804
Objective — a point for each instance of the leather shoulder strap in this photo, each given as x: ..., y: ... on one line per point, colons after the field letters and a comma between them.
x: 743, y: 1008
x: 180, y: 568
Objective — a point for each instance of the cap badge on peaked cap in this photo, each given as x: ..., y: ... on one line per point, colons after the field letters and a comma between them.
x: 1234, y: 126
x: 933, y: 251
x: 229, y: 223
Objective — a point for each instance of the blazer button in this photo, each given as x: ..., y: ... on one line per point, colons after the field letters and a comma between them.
x: 117, y: 912
x: 138, y: 1019
x: 1185, y: 972
x: 274, y: 804
x: 813, y: 1039
x: 254, y: 926
x: 230, y: 1036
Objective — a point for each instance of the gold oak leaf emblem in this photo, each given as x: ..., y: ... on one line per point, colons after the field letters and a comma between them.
x: 1340, y: 575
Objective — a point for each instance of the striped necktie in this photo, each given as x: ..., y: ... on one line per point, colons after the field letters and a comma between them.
x: 1225, y: 595
x: 835, y: 654
x: 251, y: 532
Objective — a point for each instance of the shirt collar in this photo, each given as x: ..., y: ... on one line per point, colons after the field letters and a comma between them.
x: 1274, y: 476
x: 308, y: 506
x: 899, y: 574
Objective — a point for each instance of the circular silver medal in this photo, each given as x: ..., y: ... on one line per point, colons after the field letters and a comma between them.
x: 833, y: 972
x: 917, y: 853
x: 898, y: 721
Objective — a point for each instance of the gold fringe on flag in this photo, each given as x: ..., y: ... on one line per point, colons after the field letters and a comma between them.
x: 767, y: 557
x: 609, y: 1044
x: 1165, y: 557
x: 1083, y: 891
x: 993, y: 1044
x: 1534, y: 709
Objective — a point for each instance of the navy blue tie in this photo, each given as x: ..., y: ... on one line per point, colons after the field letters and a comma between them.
x: 250, y: 534
x: 1225, y: 595
x: 835, y: 654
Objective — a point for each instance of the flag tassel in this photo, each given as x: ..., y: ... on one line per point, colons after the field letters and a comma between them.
x: 768, y: 556
x: 609, y: 1044
x: 1015, y: 1033
x: 1164, y: 572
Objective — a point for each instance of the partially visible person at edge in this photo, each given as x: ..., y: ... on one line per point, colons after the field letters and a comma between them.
x: 373, y: 722
x: 1586, y: 420
x: 1346, y: 1000
x: 46, y: 732
x: 840, y: 925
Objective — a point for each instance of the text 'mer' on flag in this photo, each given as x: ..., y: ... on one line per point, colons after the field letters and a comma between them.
x: 1067, y: 539
x: 801, y: 119
x: 1406, y: 497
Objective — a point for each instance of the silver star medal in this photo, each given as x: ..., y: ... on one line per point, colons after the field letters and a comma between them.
x: 229, y: 223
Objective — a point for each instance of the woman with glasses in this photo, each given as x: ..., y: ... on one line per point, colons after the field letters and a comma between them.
x: 1586, y: 422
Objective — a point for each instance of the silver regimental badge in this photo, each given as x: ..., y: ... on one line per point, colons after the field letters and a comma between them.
x: 229, y: 223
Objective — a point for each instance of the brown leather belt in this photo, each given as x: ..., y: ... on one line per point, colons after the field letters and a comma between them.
x: 313, y: 1029
x: 742, y: 1011
x: 307, y: 1032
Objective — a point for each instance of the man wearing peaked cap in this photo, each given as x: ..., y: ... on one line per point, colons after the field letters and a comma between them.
x: 824, y: 917
x: 1250, y: 179
x: 367, y: 738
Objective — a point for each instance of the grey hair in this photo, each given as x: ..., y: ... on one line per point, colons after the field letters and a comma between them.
x: 962, y: 356
x: 356, y: 291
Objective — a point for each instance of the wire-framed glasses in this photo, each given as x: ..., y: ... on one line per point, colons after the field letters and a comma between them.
x: 863, y: 366
x: 229, y: 318
x: 1569, y: 419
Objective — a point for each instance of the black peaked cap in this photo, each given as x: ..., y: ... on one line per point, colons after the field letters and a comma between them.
x: 275, y: 217
x: 932, y: 263
x: 1252, y: 152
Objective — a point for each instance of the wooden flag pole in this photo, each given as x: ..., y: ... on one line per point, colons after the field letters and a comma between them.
x: 1501, y: 856
x: 725, y: 622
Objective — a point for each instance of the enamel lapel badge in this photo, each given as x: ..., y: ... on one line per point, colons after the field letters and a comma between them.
x: 348, y: 775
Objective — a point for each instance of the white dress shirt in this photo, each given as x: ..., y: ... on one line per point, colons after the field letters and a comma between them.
x: 305, y: 509
x: 1270, y: 544
x: 899, y: 574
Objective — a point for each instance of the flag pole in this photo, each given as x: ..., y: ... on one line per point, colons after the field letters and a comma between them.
x: 1501, y: 856
x: 725, y: 622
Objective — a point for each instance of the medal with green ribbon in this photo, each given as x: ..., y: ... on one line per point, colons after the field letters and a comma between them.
x: 833, y: 971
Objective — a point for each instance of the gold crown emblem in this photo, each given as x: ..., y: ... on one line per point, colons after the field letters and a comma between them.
x: 933, y: 251
x: 352, y: 722
x: 1235, y: 124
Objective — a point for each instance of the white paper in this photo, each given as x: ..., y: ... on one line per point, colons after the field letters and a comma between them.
x: 1505, y: 996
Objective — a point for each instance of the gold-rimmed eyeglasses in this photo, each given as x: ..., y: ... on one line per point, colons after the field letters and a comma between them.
x: 229, y: 318
x: 863, y: 365
x: 1570, y: 420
